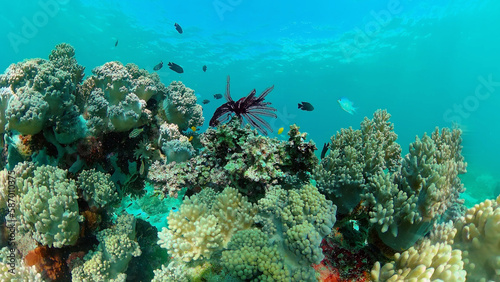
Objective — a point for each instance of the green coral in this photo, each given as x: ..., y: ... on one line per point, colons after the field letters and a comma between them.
x: 117, y: 246
x: 237, y: 156
x: 44, y: 90
x: 355, y: 156
x: 48, y: 208
x: 97, y: 187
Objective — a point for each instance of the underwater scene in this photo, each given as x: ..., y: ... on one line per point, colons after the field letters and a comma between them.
x: 236, y: 140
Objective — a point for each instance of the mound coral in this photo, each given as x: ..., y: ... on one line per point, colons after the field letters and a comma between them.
x: 199, y: 229
x: 42, y: 91
x: 115, y: 97
x: 180, y: 107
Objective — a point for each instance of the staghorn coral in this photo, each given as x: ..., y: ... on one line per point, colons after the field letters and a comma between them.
x: 355, y: 156
x: 196, y: 231
x: 179, y: 107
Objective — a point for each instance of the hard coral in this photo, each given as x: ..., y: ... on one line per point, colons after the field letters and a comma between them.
x: 115, y: 97
x: 42, y: 90
x: 179, y: 107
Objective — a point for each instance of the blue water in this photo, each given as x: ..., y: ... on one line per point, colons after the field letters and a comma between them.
x: 429, y: 63
x: 417, y: 59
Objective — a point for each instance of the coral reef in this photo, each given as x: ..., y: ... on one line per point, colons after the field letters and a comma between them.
x: 117, y: 246
x: 197, y: 230
x: 42, y: 91
x: 48, y: 208
x: 180, y: 107
x: 239, y: 157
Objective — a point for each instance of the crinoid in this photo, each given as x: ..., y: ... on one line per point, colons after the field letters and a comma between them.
x: 250, y: 108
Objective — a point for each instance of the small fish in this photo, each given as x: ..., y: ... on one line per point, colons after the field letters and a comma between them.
x: 175, y: 67
x: 217, y: 96
x: 326, y: 146
x: 116, y: 44
x: 280, y: 130
x: 158, y: 66
x: 141, y: 169
x: 134, y: 133
x: 306, y: 106
x: 346, y: 105
x: 129, y: 205
x: 190, y: 138
x: 193, y: 128
x: 204, y: 68
x: 178, y: 28
x: 174, y: 208
x: 205, y: 101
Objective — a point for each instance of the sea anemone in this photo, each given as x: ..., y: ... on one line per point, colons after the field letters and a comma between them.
x: 249, y: 108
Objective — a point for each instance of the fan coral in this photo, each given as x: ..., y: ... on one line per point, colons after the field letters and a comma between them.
x: 248, y: 108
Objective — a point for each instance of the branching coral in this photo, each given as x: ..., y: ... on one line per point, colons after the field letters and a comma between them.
x: 97, y: 187
x: 478, y: 236
x: 239, y: 157
x: 196, y: 231
x: 356, y: 155
x: 426, y: 262
x: 117, y: 246
x: 407, y: 203
x: 297, y: 220
x: 48, y: 208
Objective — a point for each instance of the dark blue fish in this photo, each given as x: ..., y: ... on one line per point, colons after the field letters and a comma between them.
x: 217, y: 96
x: 306, y: 106
x: 175, y: 67
x: 178, y: 28
x: 158, y: 66
x: 116, y: 44
x: 204, y: 68
x: 205, y: 101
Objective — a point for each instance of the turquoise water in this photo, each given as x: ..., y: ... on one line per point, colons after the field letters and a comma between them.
x: 429, y: 63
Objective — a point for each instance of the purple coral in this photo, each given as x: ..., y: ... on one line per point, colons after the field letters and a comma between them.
x: 248, y: 108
